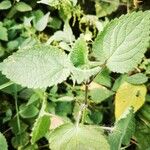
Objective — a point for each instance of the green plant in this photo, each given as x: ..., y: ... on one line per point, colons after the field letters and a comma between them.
x: 119, y: 48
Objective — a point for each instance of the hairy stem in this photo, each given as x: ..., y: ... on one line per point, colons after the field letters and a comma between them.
x: 83, y: 107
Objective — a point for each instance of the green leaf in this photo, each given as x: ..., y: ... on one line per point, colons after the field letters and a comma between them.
x: 37, y: 67
x: 142, y: 135
x: 20, y: 140
x: 80, y: 75
x: 40, y: 128
x: 123, y: 130
x: 28, y: 111
x: 42, y: 123
x: 52, y: 3
x: 73, y: 137
x: 3, y: 33
x: 103, y: 78
x: 66, y: 35
x: 23, y: 7
x: 138, y: 78
x: 104, y: 8
x: 3, y: 142
x: 100, y: 94
x: 42, y: 22
x: 123, y: 42
x: 5, y: 5
x: 118, y: 82
x: 11, y: 45
x: 79, y: 53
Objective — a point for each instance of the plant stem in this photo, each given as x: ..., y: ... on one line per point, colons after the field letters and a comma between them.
x: 128, y: 6
x: 82, y: 108
x: 6, y: 85
x: 107, y: 128
x: 81, y: 113
x: 17, y: 110
x: 86, y: 94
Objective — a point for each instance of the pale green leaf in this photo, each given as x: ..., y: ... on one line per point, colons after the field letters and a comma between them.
x: 42, y: 123
x: 104, y: 8
x: 37, y: 67
x: 3, y: 33
x: 138, y: 78
x: 123, y: 42
x: 79, y: 75
x: 52, y: 3
x: 28, y: 111
x: 66, y: 35
x: 23, y: 7
x: 123, y: 130
x: 100, y: 94
x: 118, y: 82
x: 103, y: 78
x: 5, y: 5
x: 79, y: 53
x: 42, y: 22
x: 40, y: 128
x: 3, y: 142
x: 71, y: 137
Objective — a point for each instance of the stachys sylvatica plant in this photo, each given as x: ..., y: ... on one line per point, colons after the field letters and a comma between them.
x: 120, y: 47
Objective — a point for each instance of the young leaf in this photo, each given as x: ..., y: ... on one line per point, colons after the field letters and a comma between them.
x: 104, y: 8
x: 79, y: 53
x: 123, y: 42
x: 81, y: 75
x: 100, y: 94
x: 5, y: 5
x: 104, y: 78
x: 37, y: 67
x: 3, y: 142
x: 3, y: 33
x: 138, y: 78
x: 69, y: 136
x: 52, y: 3
x: 66, y: 35
x: 80, y: 68
x: 129, y: 95
x: 23, y: 7
x: 42, y: 23
x: 123, y: 130
x: 28, y: 111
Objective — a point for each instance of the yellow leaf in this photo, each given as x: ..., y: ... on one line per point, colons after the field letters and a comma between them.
x: 129, y: 95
